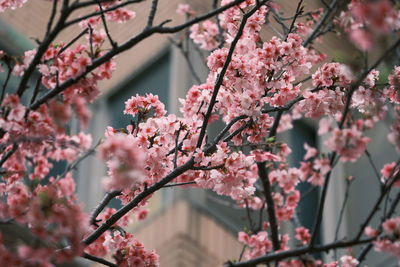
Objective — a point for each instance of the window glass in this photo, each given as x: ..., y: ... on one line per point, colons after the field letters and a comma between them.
x: 307, y: 208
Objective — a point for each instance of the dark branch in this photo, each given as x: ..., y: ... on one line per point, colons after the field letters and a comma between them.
x: 103, y: 203
x: 365, y: 251
x: 6, y: 81
x: 8, y: 154
x: 65, y: 12
x: 152, y: 14
x: 219, y: 81
x: 298, y: 252
x: 299, y: 11
x: 103, y: 19
x: 52, y: 15
x: 134, y: 202
x: 326, y: 15
x: 262, y: 173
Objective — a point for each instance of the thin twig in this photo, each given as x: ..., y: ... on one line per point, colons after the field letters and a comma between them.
x: 276, y: 256
x: 346, y: 197
x: 34, y: 95
x: 365, y: 251
x: 76, y: 162
x: 36, y: 90
x: 152, y: 13
x: 223, y: 132
x: 52, y: 16
x: 77, y: 4
x: 103, y: 19
x: 6, y: 81
x: 249, y: 216
x: 373, y: 166
x: 263, y: 176
x: 179, y: 145
x: 276, y: 16
x: 176, y: 147
x: 8, y: 154
x: 188, y: 62
x: 377, y: 204
x: 91, y: 42
x: 72, y: 41
x: 320, y: 23
x: 220, y: 31
x: 242, y: 252
x: 299, y: 10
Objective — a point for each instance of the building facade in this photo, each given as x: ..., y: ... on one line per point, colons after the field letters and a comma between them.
x: 191, y: 227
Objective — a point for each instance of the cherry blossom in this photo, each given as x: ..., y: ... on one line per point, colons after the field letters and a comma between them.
x: 257, y: 87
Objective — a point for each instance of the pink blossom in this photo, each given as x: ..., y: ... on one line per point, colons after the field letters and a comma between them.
x: 13, y: 4
x: 142, y: 214
x: 369, y: 231
x: 259, y: 244
x: 362, y: 39
x: 303, y: 235
x: 119, y: 15
x: 349, y: 261
x: 138, y: 104
x: 391, y: 226
x: 310, y: 152
x: 348, y: 143
x: 67, y: 185
x: 125, y: 161
x: 182, y: 9
x: 388, y: 172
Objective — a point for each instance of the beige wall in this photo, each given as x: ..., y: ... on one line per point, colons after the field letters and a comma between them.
x: 183, y: 236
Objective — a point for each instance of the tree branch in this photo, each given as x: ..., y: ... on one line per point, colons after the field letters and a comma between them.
x: 327, y: 13
x: 103, y: 203
x: 218, y: 82
x: 103, y: 19
x: 277, y: 256
x: 152, y: 14
x: 65, y: 12
x: 134, y: 202
x: 52, y: 15
x: 147, y: 32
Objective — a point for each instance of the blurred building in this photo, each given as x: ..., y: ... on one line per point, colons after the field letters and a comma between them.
x: 192, y: 227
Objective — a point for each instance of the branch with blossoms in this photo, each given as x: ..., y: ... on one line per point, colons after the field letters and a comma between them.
x: 257, y: 87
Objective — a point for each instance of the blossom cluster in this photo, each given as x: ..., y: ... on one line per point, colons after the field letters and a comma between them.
x: 363, y: 19
x: 13, y: 4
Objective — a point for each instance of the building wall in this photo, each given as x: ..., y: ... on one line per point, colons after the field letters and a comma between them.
x: 185, y: 236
